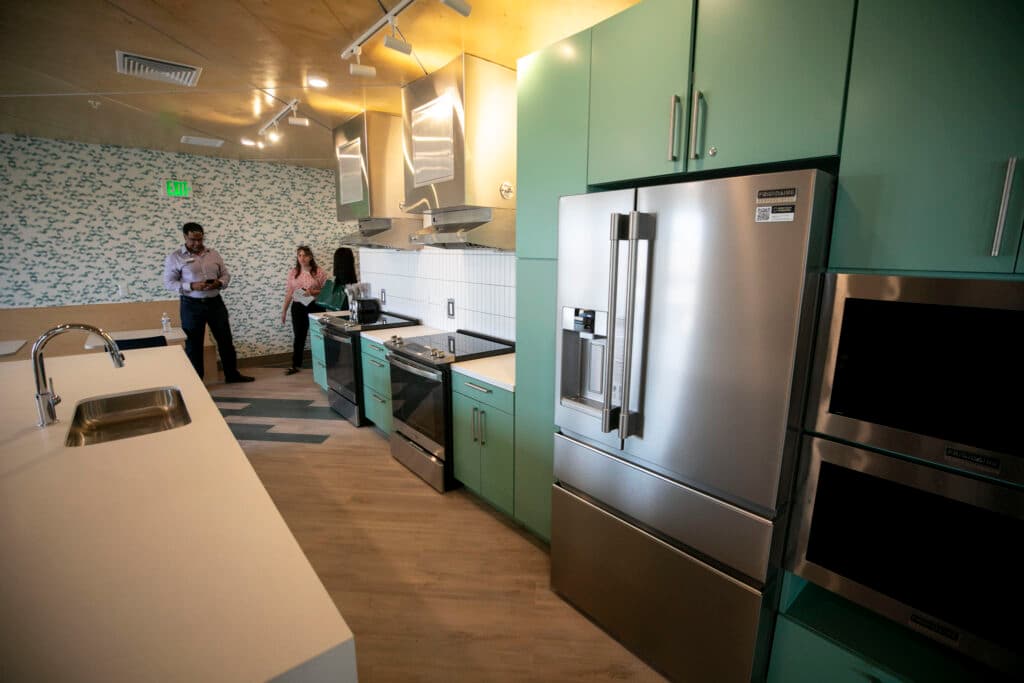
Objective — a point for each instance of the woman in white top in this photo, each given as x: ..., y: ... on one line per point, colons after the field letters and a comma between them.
x: 305, y: 281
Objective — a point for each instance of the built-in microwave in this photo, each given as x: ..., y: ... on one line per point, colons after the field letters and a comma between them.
x: 934, y: 549
x: 922, y: 367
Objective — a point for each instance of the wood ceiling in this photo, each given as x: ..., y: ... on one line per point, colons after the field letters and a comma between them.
x: 58, y: 77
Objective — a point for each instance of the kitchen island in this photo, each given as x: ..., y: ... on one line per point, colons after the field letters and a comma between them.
x: 155, y: 557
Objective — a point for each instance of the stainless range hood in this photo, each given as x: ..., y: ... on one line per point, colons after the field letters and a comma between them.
x: 459, y: 125
x: 370, y: 188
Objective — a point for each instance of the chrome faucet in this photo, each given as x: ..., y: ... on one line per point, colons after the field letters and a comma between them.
x: 46, y: 399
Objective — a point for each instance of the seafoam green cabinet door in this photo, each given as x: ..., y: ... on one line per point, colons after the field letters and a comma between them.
x: 553, y: 101
x: 465, y: 442
x: 771, y: 75
x: 497, y: 458
x: 802, y: 656
x: 639, y: 85
x: 934, y: 113
x: 535, y: 393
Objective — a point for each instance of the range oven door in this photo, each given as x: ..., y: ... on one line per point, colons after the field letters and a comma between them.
x: 935, y: 550
x: 921, y: 366
x: 342, y: 373
x: 421, y: 406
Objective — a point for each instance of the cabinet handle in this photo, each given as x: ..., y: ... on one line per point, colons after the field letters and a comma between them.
x: 483, y: 427
x: 478, y: 387
x: 378, y: 399
x: 377, y: 363
x: 1011, y: 166
x: 673, y: 104
x: 697, y: 95
x: 474, y: 425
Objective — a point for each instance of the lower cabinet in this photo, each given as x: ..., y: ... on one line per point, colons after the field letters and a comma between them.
x: 800, y: 655
x: 316, y: 343
x: 377, y: 387
x: 483, y: 447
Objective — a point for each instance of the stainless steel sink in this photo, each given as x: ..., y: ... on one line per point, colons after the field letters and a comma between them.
x: 132, y: 413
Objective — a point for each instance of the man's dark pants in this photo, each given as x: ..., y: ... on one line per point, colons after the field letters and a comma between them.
x: 196, y: 314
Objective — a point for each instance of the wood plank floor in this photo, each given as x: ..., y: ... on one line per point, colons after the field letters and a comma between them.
x: 435, y: 587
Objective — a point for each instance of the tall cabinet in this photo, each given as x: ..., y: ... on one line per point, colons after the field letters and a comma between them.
x: 553, y: 95
x: 934, y: 117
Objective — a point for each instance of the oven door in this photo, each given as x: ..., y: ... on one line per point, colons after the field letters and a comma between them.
x: 341, y: 364
x: 935, y: 550
x: 920, y: 366
x: 419, y: 403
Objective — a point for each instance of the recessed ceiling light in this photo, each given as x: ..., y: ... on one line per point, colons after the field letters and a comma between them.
x: 316, y: 82
x: 248, y: 143
x: 259, y: 145
x: 274, y: 136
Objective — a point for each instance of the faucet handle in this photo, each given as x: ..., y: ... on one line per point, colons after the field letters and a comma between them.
x: 54, y: 398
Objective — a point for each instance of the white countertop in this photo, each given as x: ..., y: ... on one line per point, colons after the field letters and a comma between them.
x: 497, y: 370
x: 11, y: 346
x: 94, y: 341
x: 382, y: 336
x: 157, y: 557
x: 329, y: 314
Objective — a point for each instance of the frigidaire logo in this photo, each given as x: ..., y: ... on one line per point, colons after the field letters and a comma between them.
x: 975, y: 458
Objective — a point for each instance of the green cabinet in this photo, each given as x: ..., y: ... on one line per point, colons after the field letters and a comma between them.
x: 934, y: 113
x: 639, y: 85
x: 553, y: 102
x: 376, y: 385
x: 484, y: 456
x: 771, y: 77
x: 535, y: 393
x: 316, y: 344
x: 800, y: 655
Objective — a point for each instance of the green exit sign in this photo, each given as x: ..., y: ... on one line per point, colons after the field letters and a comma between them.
x: 178, y: 188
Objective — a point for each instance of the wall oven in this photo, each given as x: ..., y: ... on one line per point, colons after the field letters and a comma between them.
x: 920, y: 367
x: 910, y: 493
x: 343, y: 370
x: 421, y: 407
x: 933, y: 549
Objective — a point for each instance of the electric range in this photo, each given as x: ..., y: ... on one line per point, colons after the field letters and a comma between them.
x: 421, y: 398
x: 343, y: 357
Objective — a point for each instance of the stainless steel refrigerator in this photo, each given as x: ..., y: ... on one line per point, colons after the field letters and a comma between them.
x: 686, y: 316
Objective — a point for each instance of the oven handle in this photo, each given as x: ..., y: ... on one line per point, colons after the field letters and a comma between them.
x: 416, y: 370
x: 343, y: 340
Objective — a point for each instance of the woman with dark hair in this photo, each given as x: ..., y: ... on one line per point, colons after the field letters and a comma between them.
x: 305, y: 280
x: 344, y: 267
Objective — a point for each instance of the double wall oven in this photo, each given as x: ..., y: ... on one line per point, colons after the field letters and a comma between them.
x: 421, y: 398
x: 911, y: 493
x: 342, y: 355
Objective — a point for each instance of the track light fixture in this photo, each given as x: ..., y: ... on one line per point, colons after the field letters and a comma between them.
x: 460, y: 6
x: 394, y: 42
x: 362, y: 70
x: 274, y: 135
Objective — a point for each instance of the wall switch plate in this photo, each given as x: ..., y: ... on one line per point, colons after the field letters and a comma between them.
x: 122, y: 288
x: 383, y: 296
x: 451, y: 308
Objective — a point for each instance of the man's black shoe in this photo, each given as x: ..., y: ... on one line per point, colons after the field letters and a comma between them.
x: 239, y: 378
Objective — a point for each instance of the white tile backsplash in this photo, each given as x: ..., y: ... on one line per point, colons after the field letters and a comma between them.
x: 419, y: 283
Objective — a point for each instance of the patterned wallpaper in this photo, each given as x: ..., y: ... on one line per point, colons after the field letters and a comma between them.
x: 419, y: 283
x: 78, y: 220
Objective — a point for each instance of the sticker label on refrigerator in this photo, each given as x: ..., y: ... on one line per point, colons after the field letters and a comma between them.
x: 781, y: 194
x: 775, y: 213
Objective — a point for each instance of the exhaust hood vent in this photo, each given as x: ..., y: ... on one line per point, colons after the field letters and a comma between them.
x: 479, y: 228
x: 459, y: 125
x: 370, y: 190
x: 202, y: 142
x: 157, y: 69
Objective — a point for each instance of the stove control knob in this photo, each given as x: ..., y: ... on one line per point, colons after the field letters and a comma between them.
x: 437, y: 353
x: 396, y: 340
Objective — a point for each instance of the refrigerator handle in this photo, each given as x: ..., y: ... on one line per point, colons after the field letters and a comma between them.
x: 641, y: 227
x: 619, y: 231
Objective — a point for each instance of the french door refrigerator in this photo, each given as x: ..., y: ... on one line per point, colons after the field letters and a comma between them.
x: 686, y: 316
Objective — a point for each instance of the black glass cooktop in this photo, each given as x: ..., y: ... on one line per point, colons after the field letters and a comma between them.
x: 379, y: 322
x: 449, y: 347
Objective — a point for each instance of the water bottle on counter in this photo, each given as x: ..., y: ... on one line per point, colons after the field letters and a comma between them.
x: 165, y: 323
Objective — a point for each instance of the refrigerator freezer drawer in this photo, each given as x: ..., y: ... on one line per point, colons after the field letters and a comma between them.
x: 683, y: 617
x: 730, y: 535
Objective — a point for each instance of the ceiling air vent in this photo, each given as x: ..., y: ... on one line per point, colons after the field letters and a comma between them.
x: 157, y: 69
x: 205, y: 142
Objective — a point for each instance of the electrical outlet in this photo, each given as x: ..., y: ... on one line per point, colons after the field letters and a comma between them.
x: 383, y: 297
x: 451, y: 308
x: 122, y: 288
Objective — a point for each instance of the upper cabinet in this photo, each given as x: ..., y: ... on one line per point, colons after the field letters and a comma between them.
x: 768, y: 84
x: 934, y: 118
x: 553, y: 101
x: 639, y: 80
x: 768, y: 81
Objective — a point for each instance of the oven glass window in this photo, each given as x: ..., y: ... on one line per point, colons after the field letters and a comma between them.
x: 950, y: 560
x: 341, y: 369
x: 932, y: 370
x: 419, y: 402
